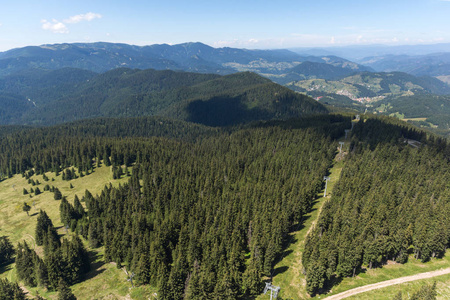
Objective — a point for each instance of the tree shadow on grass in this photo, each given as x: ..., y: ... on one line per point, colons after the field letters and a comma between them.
x: 280, y: 270
x: 335, y: 281
x: 96, y: 265
x: 6, y: 267
x: 300, y: 225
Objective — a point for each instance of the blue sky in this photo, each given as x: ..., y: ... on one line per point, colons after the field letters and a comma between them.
x: 235, y: 23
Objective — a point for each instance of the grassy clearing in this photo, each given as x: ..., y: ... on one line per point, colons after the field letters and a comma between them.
x: 407, y: 289
x: 414, y: 119
x: 390, y: 271
x: 105, y: 280
x: 288, y: 272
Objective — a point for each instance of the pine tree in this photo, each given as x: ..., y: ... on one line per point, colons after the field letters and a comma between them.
x: 143, y: 272
x: 106, y: 160
x: 316, y: 277
x: 57, y: 194
x: 6, y: 250
x: 37, y: 191
x: 25, y: 264
x: 54, y: 265
x: 251, y: 280
x: 81, y: 254
x: 26, y: 208
x: 66, y: 211
x: 51, y: 241
x: 10, y: 290
x: 94, y: 235
x: 40, y: 272
x: 78, y: 208
x: 43, y: 222
x: 64, y: 291
x: 72, y: 262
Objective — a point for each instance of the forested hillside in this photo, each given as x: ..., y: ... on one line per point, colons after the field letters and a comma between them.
x: 199, y: 218
x: 391, y: 201
x: 51, y: 97
x: 207, y: 211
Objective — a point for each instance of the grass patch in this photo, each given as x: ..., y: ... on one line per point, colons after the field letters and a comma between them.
x: 390, y: 271
x: 407, y: 289
x: 105, y: 280
x: 289, y: 276
x: 414, y: 119
x: 288, y: 273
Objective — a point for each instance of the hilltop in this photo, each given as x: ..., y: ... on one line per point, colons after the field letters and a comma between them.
x: 43, y: 97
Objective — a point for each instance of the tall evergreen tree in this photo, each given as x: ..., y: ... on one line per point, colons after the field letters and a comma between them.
x: 42, y: 225
x: 57, y: 194
x: 10, y: 290
x: 6, y: 250
x: 64, y: 291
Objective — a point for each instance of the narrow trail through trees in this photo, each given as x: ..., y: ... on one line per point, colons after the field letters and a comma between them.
x: 288, y: 273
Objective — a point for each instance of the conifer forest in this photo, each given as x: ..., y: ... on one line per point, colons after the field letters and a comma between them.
x: 206, y: 212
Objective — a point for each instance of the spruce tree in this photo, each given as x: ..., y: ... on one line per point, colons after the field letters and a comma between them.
x: 54, y: 264
x: 51, y: 240
x: 10, y: 290
x: 40, y: 272
x: 25, y: 264
x: 6, y: 250
x: 43, y: 222
x: 57, y: 194
x: 64, y: 291
x: 66, y: 211
x: 78, y: 208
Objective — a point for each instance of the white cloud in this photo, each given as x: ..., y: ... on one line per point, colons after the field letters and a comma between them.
x: 82, y: 17
x: 54, y: 26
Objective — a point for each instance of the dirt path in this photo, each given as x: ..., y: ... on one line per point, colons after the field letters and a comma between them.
x: 386, y: 283
x: 288, y: 272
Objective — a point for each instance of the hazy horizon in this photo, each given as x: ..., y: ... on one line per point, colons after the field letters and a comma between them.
x: 239, y: 24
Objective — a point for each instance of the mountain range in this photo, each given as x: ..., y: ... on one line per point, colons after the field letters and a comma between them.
x: 57, y: 83
x: 43, y: 97
x: 191, y: 57
x: 436, y: 64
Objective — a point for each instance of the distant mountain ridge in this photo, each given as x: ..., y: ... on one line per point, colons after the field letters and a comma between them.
x: 191, y: 57
x: 436, y: 64
x: 73, y: 94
